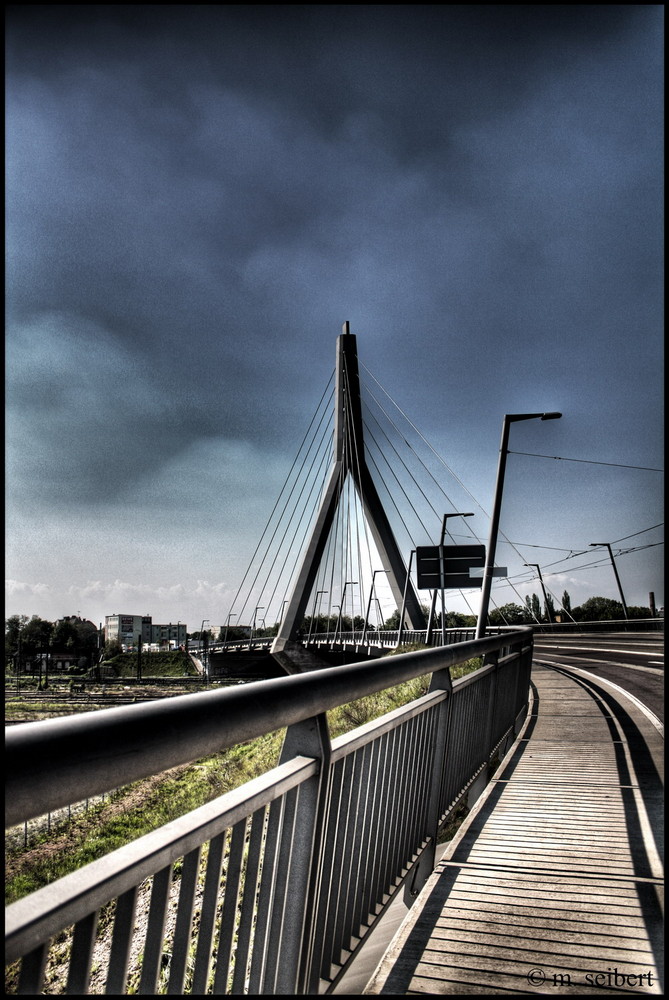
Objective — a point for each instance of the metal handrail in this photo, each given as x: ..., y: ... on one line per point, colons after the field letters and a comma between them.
x: 313, y: 850
x: 55, y: 762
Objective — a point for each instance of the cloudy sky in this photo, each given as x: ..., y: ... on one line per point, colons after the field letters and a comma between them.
x: 197, y: 197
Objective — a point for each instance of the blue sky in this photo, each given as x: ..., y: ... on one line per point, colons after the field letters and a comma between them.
x: 197, y: 197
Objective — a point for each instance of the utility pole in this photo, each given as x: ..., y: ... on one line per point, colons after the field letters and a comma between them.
x: 615, y: 573
x: 541, y: 581
x: 509, y: 418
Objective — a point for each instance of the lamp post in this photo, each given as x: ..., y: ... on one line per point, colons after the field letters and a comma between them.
x: 338, y: 607
x: 404, y: 601
x: 204, y: 649
x: 509, y: 418
x: 343, y: 606
x: 369, y: 603
x: 261, y: 607
x: 319, y: 593
x: 227, y: 625
x: 613, y: 563
x: 541, y: 581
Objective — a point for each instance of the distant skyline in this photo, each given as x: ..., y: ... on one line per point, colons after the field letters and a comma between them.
x: 197, y: 197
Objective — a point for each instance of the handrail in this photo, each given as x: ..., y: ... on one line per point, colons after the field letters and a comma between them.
x: 55, y: 762
x: 272, y: 887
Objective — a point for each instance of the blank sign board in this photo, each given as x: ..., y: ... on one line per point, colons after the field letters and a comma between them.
x: 458, y: 561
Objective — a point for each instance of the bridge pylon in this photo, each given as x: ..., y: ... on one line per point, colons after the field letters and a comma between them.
x: 349, y: 460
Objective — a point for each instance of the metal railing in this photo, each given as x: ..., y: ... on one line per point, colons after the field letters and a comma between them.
x: 270, y: 888
x: 390, y: 638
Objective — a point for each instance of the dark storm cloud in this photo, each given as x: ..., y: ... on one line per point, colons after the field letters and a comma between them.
x: 196, y: 195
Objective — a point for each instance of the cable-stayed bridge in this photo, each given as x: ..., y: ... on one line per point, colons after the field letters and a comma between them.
x: 335, y: 563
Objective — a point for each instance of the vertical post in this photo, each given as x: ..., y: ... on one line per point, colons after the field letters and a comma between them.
x: 369, y: 603
x: 441, y: 681
x: 139, y: 657
x: 430, y: 620
x: 494, y: 526
x: 615, y: 573
x: 404, y: 600
x: 298, y: 972
x: 541, y: 581
x: 509, y: 418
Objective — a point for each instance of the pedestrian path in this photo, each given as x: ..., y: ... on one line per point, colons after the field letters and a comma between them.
x: 553, y: 885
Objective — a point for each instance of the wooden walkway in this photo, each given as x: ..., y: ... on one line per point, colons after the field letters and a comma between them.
x: 554, y: 883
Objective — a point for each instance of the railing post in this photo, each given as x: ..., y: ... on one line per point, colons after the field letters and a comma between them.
x: 441, y: 681
x: 492, y: 657
x: 297, y: 973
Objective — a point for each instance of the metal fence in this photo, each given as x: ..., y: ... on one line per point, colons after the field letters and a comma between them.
x: 271, y: 888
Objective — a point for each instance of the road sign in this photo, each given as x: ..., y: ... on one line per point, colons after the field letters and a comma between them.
x: 459, y: 560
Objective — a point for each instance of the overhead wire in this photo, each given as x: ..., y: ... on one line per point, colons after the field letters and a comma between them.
x: 587, y: 461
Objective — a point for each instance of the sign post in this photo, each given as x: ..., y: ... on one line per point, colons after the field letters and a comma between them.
x: 426, y: 555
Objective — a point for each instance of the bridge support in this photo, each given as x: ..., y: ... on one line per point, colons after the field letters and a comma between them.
x: 350, y: 460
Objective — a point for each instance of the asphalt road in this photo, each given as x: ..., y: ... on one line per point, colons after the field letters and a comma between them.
x: 633, y: 660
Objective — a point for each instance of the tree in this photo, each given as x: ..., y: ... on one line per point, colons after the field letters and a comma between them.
x: 65, y: 636
x: 36, y: 634
x: 599, y: 609
x: 14, y: 626
x: 508, y: 614
x: 112, y: 648
x: 550, y: 608
x: 533, y: 607
x: 566, y: 602
x: 393, y: 622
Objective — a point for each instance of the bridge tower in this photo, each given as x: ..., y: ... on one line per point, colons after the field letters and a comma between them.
x: 349, y: 460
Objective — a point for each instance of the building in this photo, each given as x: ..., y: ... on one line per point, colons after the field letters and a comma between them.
x: 127, y: 630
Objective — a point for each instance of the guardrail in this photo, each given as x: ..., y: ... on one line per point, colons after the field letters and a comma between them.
x: 270, y: 888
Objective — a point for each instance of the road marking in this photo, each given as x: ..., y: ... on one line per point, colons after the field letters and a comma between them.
x: 596, y: 649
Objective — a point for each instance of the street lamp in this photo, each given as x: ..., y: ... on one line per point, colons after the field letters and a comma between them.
x: 613, y: 563
x: 338, y: 607
x: 369, y: 604
x: 509, y: 418
x: 541, y: 581
x: 314, y: 613
x: 204, y: 649
x: 261, y: 607
x: 227, y: 625
x: 343, y: 606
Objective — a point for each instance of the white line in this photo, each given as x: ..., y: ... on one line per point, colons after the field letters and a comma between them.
x: 612, y: 663
x: 598, y: 649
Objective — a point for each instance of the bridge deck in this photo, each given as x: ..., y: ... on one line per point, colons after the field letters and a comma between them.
x: 554, y: 883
